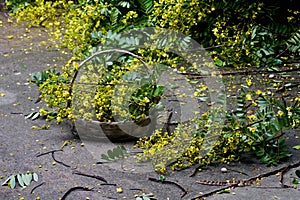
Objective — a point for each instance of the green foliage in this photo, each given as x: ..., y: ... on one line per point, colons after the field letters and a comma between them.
x: 260, y: 132
x: 33, y: 115
x: 295, y: 181
x: 145, y: 197
x: 73, y: 23
x: 223, y: 192
x: 297, y: 147
x: 294, y: 42
x: 42, y: 76
x: 241, y: 33
x: 264, y: 129
x: 118, y: 152
x: 146, y: 5
x: 45, y: 114
x: 23, y: 179
x: 15, y: 5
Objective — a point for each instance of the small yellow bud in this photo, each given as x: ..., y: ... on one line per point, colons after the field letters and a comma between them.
x: 119, y: 190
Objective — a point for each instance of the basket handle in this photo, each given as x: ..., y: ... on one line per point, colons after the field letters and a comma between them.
x: 103, y: 52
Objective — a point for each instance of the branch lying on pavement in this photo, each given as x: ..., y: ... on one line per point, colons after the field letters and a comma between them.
x: 59, y: 162
x: 52, y: 154
x: 170, y: 182
x: 259, y: 176
x: 91, y: 176
x: 48, y: 152
x: 31, y: 192
x: 242, y: 72
x: 75, y: 188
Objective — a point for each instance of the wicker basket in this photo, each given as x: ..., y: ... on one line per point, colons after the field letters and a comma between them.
x: 114, y: 131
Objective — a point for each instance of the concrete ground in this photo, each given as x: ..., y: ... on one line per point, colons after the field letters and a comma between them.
x: 22, y: 53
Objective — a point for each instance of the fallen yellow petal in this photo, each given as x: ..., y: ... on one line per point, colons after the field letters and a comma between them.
x: 119, y: 190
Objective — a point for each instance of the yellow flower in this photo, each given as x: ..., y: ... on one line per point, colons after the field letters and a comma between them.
x: 251, y: 117
x: 146, y: 100
x: 215, y: 31
x: 249, y: 81
x: 252, y: 129
x: 119, y: 190
x: 58, y: 119
x: 43, y: 111
x: 65, y: 94
x: 254, y: 103
x: 280, y: 113
x: 258, y: 92
x: 75, y: 65
x: 248, y: 97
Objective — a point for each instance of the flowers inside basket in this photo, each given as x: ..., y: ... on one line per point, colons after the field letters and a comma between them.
x: 113, y: 99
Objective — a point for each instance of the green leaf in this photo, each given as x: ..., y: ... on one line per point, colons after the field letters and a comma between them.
x: 29, y: 115
x: 20, y: 180
x: 28, y: 178
x: 6, y: 181
x: 158, y: 91
x: 297, y: 173
x: 295, y: 181
x: 297, y: 147
x: 12, y: 182
x: 123, y: 148
x: 105, y: 157
x: 265, y: 159
x: 35, y: 177
x: 110, y: 154
x: 202, y: 99
x: 25, y: 179
x: 219, y: 63
x: 35, y: 116
x: 118, y: 153
x: 162, y: 177
x: 223, y: 191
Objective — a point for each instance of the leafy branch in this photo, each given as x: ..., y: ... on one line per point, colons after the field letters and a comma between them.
x: 24, y: 179
x: 118, y: 152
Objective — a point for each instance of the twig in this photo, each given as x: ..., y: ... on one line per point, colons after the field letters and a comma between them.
x: 281, y: 179
x: 138, y: 189
x: 112, y: 184
x: 91, y: 176
x: 201, y: 49
x: 292, y: 61
x: 38, y: 99
x: 73, y: 189
x: 281, y: 89
x: 170, y: 182
x: 59, y: 162
x: 42, y: 154
x: 169, y: 122
x: 31, y: 192
x: 196, y: 171
x: 278, y: 55
x: 259, y: 176
x: 242, y: 72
